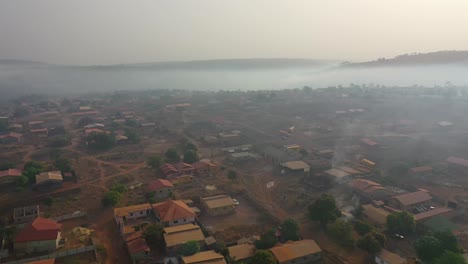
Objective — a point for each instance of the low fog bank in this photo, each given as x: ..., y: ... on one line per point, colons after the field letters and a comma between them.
x: 25, y: 79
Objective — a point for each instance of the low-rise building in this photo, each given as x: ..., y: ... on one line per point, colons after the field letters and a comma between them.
x: 338, y: 176
x: 137, y: 246
x: 176, y: 236
x: 49, y: 180
x: 162, y: 188
x: 42, y: 235
x: 296, y: 166
x: 387, y: 257
x: 203, y: 167
x: 27, y: 214
x: 241, y: 252
x: 204, y: 257
x: 370, y: 190
x: 375, y: 215
x: 124, y: 214
x: 218, y: 205
x: 11, y: 137
x: 298, y: 252
x: 414, y: 201
x: 10, y: 176
x: 172, y: 213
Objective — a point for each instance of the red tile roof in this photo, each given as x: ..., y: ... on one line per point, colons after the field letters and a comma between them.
x: 362, y: 184
x: 413, y: 198
x: 159, y: 184
x: 40, y: 229
x: 11, y: 134
x: 369, y: 142
x: 203, y: 164
x: 421, y: 169
x: 458, y: 161
x: 168, y: 168
x: 137, y: 245
x: 11, y: 172
x: 171, y: 210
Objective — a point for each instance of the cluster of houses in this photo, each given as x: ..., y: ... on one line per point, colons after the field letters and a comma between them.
x: 180, y: 222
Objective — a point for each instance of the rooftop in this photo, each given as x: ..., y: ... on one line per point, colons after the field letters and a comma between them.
x: 240, y: 252
x: 295, y: 249
x: 375, y: 214
x: 390, y: 258
x: 296, y: 165
x: 336, y: 173
x: 203, y: 257
x: 413, y: 198
x: 50, y: 175
x: 369, y: 142
x: 11, y: 172
x: 218, y: 201
x: 40, y: 229
x: 159, y: 184
x: 458, y: 161
x: 421, y: 169
x: 124, y: 211
x: 171, y: 210
x: 178, y: 235
x: 431, y: 213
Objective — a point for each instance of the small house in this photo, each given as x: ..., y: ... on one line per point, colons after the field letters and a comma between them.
x: 172, y: 213
x: 26, y: 214
x: 42, y: 235
x: 137, y: 247
x: 387, y: 257
x: 124, y: 214
x: 298, y: 252
x: 162, y: 188
x: 241, y: 252
x: 296, y: 166
x: 218, y: 205
x: 204, y: 257
x: 420, y: 201
x: 10, y: 176
x: 11, y: 137
x: 176, y: 236
x: 49, y: 180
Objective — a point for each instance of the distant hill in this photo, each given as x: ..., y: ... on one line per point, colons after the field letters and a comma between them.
x: 217, y: 64
x: 11, y: 62
x: 415, y: 59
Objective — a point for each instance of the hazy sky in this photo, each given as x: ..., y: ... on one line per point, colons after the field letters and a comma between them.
x: 125, y: 31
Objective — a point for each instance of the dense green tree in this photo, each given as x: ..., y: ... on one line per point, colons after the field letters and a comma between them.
x: 267, y: 240
x: 153, y: 234
x: 290, y: 230
x: 189, y: 248
x: 448, y: 240
x: 191, y: 146
x: 111, y: 198
x: 324, y: 210
x: 5, y: 165
x: 190, y: 156
x: 31, y: 169
x: 263, y: 257
x: 428, y: 247
x: 369, y: 244
x: 232, y: 175
x: 449, y: 257
x: 172, y: 155
x: 120, y: 188
x: 132, y: 136
x: 362, y: 227
x: 401, y: 223
x: 154, y: 161
x: 63, y: 164
x: 101, y: 141
x: 341, y: 232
